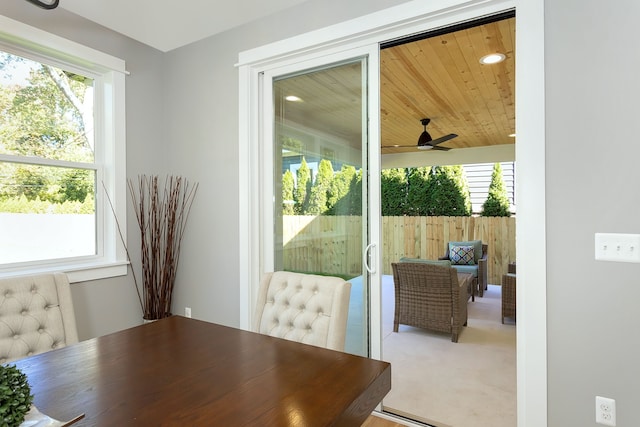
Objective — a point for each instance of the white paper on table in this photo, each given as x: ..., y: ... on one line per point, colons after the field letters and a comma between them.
x: 35, y: 418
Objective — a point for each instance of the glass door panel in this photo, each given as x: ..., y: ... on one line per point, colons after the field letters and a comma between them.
x: 320, y: 150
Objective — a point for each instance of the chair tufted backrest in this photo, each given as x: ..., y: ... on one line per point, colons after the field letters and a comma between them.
x: 303, y: 307
x: 36, y: 315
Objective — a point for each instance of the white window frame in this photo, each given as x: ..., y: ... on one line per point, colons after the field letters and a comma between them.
x: 108, y: 73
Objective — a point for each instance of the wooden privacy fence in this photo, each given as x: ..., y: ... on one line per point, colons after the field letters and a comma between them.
x: 333, y: 244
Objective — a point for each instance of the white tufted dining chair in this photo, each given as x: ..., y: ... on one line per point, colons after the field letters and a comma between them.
x: 306, y: 308
x: 36, y: 315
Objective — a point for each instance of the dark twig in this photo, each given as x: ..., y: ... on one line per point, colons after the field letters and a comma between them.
x: 162, y: 217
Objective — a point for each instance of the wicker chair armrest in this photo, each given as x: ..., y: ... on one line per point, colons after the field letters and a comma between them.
x: 483, y: 270
x: 462, y: 300
x: 482, y: 264
x: 509, y: 288
x: 508, y: 296
x: 509, y: 281
x: 463, y: 287
x: 459, y: 298
x: 485, y: 252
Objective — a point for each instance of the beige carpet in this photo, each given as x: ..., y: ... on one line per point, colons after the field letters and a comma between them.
x: 471, y: 383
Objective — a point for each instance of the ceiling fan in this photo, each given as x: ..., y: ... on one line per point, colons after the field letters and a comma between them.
x: 426, y: 142
x: 45, y: 4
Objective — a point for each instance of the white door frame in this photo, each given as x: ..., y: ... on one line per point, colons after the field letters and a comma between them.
x: 408, y: 18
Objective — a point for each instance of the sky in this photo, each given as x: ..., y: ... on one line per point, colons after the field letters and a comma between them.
x: 16, y: 72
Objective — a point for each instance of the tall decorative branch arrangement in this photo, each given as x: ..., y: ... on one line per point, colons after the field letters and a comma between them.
x: 162, y: 210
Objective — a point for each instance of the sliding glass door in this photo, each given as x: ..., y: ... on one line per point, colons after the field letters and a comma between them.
x: 321, y: 217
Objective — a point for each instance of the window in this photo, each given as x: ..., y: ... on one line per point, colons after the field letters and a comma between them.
x: 62, y: 156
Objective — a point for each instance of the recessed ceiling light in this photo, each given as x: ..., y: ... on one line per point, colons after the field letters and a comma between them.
x: 293, y: 98
x: 512, y: 135
x: 492, y: 58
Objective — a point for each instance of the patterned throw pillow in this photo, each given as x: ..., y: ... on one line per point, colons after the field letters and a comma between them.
x: 461, y: 255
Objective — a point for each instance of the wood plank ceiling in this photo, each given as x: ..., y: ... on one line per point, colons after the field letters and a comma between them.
x: 439, y: 77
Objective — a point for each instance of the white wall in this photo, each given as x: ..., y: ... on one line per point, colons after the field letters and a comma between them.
x: 592, y: 95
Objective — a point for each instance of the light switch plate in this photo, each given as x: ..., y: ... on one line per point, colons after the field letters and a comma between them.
x: 617, y: 247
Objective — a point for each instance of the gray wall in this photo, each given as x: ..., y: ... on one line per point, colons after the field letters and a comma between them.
x: 182, y: 115
x: 202, y: 107
x: 592, y: 93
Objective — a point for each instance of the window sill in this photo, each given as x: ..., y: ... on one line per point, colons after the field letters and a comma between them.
x: 80, y: 272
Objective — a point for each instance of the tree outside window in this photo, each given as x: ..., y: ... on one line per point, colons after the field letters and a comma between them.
x: 47, y: 163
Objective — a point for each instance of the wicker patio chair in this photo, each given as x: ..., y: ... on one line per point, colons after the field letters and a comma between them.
x: 479, y: 269
x: 430, y: 297
x: 509, y: 293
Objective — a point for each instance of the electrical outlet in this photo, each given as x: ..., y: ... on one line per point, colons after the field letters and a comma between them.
x: 187, y: 312
x: 605, y: 411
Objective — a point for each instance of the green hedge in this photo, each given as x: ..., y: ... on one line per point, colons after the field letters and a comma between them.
x: 37, y: 206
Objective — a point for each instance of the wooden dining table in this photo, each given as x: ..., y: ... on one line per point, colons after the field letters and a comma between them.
x: 185, y: 372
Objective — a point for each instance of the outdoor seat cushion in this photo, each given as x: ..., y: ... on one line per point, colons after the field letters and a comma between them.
x: 443, y: 262
x: 470, y: 269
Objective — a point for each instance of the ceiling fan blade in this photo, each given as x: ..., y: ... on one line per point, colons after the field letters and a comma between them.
x: 45, y: 4
x: 432, y: 143
x: 398, y: 146
x: 442, y: 139
x: 436, y: 148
